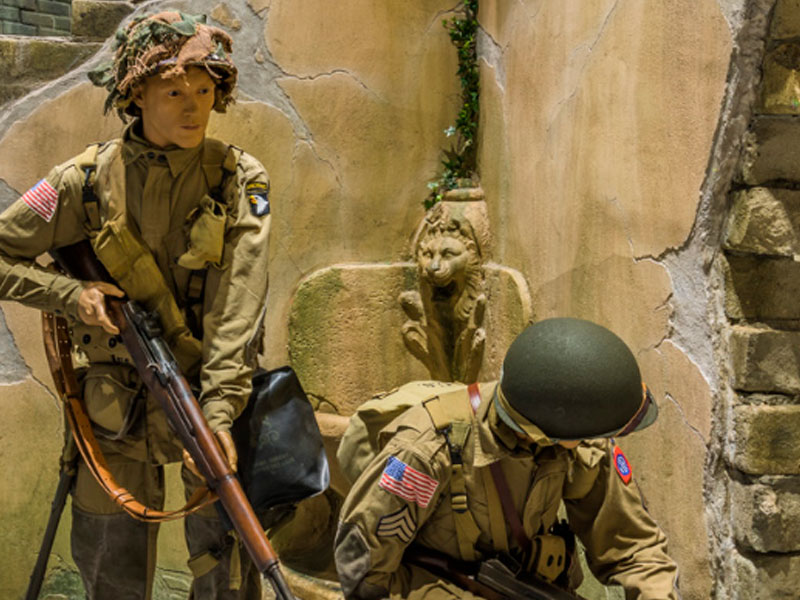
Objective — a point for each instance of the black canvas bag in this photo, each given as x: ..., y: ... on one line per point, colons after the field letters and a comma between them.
x: 282, y: 459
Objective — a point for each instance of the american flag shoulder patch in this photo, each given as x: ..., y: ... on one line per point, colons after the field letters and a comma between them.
x: 406, y: 482
x: 42, y: 199
x: 399, y: 524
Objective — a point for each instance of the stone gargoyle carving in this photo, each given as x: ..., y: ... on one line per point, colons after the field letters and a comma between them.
x: 445, y: 329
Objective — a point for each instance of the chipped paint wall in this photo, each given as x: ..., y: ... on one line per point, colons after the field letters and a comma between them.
x: 598, y: 120
x: 606, y: 132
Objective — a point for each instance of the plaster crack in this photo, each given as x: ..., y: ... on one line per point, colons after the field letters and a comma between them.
x: 493, y: 54
x: 441, y: 13
x: 697, y: 433
x: 589, y: 47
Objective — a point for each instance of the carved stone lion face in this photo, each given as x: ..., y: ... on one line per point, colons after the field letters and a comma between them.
x: 443, y: 260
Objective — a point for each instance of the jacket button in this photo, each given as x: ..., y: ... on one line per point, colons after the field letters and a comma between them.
x: 86, y: 338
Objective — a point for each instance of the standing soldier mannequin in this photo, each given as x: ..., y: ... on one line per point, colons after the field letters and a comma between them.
x: 182, y: 223
x: 568, y: 387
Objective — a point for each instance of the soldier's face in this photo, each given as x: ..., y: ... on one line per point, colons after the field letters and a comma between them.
x: 176, y: 111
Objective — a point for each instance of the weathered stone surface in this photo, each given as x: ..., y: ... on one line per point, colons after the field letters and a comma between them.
x: 223, y: 15
x: 785, y: 20
x: 765, y: 515
x: 765, y: 439
x: 765, y: 221
x: 771, y: 577
x: 12, y: 367
x: 780, y: 89
x: 764, y: 360
x: 21, y: 156
x: 30, y: 445
x: 334, y: 304
x: 775, y: 152
x: 98, y: 19
x: 27, y: 60
x: 762, y: 288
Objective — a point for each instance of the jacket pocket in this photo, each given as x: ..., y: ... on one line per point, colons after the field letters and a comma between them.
x: 114, y: 398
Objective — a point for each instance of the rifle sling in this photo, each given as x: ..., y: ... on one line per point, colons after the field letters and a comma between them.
x: 500, y: 483
x: 58, y: 350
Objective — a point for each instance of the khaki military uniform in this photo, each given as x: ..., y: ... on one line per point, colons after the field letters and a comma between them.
x: 162, y: 194
x: 623, y: 544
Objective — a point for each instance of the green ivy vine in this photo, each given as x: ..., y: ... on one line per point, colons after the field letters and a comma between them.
x: 459, y: 161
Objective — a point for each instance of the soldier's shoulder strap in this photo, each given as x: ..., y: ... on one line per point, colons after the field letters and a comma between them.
x: 219, y: 163
x: 452, y: 415
x: 86, y: 162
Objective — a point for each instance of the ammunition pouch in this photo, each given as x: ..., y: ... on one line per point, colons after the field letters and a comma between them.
x: 548, y: 557
x: 133, y: 267
x: 114, y: 398
x: 206, y: 235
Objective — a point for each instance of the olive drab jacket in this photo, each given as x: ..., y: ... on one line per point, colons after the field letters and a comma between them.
x: 380, y: 519
x: 202, y: 215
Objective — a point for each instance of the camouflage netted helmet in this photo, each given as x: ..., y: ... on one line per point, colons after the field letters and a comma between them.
x: 572, y: 379
x: 166, y: 43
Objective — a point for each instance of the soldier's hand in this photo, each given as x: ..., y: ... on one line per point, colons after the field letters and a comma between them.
x: 92, y: 304
x: 228, y: 447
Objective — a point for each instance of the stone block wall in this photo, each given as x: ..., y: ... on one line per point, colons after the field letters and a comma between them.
x: 763, y: 312
x: 35, y: 17
x: 28, y: 61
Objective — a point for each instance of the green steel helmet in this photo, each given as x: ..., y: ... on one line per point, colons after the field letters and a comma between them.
x: 166, y: 43
x: 572, y: 379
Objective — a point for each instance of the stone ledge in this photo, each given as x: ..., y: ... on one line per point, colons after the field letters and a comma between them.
x: 765, y: 221
x: 766, y: 577
x: 765, y: 438
x: 775, y: 150
x: 779, y: 89
x: 764, y: 516
x: 765, y: 360
x: 98, y: 19
x: 785, y: 20
x: 40, y: 60
x: 762, y: 288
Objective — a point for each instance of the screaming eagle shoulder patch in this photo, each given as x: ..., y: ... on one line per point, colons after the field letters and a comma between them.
x: 42, y: 199
x: 258, y: 197
x: 622, y: 466
x: 407, y: 483
x: 399, y: 524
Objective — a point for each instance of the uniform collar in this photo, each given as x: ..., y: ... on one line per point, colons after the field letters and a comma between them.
x: 495, y: 439
x: 136, y: 147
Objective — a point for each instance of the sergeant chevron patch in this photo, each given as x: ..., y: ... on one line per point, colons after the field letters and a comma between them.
x: 399, y: 524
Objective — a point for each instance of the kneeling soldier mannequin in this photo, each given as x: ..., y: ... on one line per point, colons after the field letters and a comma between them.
x: 184, y: 222
x: 567, y: 388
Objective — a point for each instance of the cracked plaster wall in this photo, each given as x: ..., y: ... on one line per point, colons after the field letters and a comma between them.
x: 597, y: 122
x: 609, y: 131
x: 345, y: 106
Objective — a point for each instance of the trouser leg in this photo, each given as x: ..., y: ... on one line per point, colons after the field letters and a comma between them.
x: 220, y: 564
x: 115, y: 553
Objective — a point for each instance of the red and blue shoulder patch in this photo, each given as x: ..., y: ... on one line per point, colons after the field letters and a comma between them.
x: 622, y: 465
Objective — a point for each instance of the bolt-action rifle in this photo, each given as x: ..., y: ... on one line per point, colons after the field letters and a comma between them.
x: 497, y: 578
x: 141, y: 334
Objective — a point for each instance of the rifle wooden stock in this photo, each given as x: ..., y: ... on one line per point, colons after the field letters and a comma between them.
x: 162, y: 377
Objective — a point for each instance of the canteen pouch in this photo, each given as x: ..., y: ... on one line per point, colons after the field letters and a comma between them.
x: 113, y: 396
x: 282, y: 459
x: 206, y: 235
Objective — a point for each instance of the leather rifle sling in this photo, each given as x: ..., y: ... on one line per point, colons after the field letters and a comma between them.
x: 58, y: 349
x: 512, y: 517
